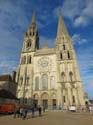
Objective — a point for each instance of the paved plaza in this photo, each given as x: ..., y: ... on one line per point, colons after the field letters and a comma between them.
x: 51, y: 118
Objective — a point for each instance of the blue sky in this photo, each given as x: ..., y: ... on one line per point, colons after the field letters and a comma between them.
x: 15, y: 17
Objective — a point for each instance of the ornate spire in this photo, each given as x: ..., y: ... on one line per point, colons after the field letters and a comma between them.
x: 61, y: 27
x: 33, y: 19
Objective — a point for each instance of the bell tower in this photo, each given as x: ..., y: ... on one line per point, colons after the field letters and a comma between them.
x: 31, y: 38
x: 63, y: 42
x: 68, y: 75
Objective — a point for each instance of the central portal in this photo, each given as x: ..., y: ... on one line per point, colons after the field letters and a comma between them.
x: 45, y: 98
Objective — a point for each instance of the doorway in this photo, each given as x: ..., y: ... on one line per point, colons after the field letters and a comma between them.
x: 54, y: 103
x: 35, y: 103
x: 45, y: 103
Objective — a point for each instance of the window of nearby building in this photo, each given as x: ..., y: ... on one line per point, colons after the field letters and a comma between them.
x: 37, y: 83
x: 44, y: 82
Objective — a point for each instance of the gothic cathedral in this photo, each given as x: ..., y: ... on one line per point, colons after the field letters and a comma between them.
x: 49, y: 76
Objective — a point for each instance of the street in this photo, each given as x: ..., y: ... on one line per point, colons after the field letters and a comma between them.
x: 51, y: 118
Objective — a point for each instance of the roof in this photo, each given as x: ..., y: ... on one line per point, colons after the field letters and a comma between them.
x: 5, y: 78
x: 6, y: 94
x: 45, y: 51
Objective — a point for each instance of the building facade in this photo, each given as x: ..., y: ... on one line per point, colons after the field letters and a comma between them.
x: 8, y: 88
x: 8, y: 83
x: 49, y: 76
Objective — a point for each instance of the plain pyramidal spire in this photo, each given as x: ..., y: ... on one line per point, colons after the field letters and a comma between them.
x: 61, y: 27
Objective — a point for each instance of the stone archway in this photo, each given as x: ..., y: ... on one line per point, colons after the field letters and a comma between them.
x: 35, y: 99
x: 45, y: 100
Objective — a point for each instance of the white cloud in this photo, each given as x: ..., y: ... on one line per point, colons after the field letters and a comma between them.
x: 72, y: 8
x: 78, y: 11
x: 88, y: 10
x: 81, y: 21
x: 77, y: 39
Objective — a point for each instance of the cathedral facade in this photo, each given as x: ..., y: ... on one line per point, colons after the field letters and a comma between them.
x: 49, y: 76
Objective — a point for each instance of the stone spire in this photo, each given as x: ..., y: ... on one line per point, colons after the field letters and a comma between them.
x: 62, y: 30
x: 33, y: 19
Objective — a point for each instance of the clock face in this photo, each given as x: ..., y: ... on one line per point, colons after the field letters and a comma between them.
x: 43, y: 63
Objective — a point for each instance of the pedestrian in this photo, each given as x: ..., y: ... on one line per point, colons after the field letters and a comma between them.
x: 39, y: 110
x: 43, y: 108
x: 18, y: 112
x: 15, y: 112
x: 21, y: 112
x: 25, y: 111
x: 33, y: 112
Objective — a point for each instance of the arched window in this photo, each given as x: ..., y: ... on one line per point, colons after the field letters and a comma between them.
x: 21, y: 81
x: 26, y: 34
x: 68, y: 55
x: 71, y: 76
x: 21, y: 60
x: 27, y: 81
x: 28, y: 43
x: 61, y: 55
x: 30, y: 33
x: 29, y: 60
x: 64, y: 99
x: 52, y: 82
x: 24, y: 59
x: 64, y: 47
x: 37, y: 83
x: 44, y: 82
x: 26, y: 93
x: 73, y: 99
x: 63, y: 77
